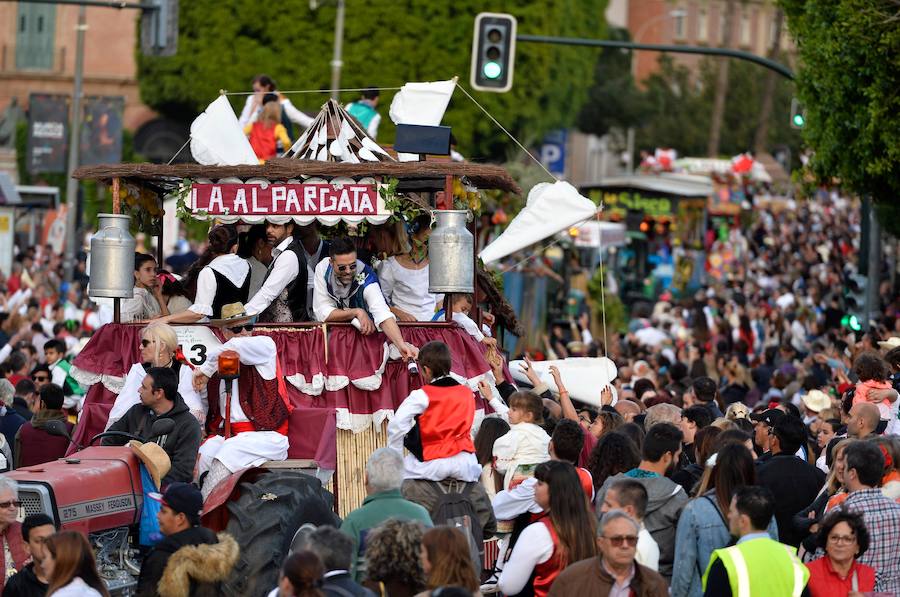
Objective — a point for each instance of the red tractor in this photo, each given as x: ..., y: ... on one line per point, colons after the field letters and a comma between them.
x: 97, y: 491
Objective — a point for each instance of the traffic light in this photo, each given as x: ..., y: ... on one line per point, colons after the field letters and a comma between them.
x: 493, y: 52
x: 855, y: 303
x: 798, y: 114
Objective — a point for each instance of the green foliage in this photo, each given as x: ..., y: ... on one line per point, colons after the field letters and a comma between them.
x: 614, y: 100
x: 674, y: 108
x: 224, y: 43
x: 616, y: 316
x: 848, y: 80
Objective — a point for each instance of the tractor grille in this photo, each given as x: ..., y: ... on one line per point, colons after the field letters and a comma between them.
x: 35, y: 500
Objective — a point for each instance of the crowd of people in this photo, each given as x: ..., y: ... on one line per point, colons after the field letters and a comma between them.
x: 747, y: 446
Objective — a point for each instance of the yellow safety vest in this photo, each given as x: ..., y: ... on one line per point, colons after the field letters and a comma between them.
x: 761, y: 568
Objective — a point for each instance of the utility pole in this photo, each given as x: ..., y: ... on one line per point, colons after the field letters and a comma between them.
x: 336, y: 60
x: 74, y: 146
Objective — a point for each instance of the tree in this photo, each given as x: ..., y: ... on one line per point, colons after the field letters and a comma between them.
x: 614, y: 100
x: 718, y: 113
x: 224, y: 43
x: 677, y: 109
x: 848, y: 80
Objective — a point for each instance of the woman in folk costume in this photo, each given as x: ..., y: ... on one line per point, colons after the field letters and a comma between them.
x: 265, y: 133
x: 159, y: 348
x: 219, y: 277
x: 252, y: 427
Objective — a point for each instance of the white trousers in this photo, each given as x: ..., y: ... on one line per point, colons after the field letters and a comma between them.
x: 243, y: 450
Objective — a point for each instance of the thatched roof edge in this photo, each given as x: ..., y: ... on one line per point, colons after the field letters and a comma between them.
x: 484, y: 176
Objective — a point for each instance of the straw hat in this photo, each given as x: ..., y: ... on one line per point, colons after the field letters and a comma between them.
x: 890, y: 343
x: 816, y: 400
x: 154, y: 458
x: 232, y: 314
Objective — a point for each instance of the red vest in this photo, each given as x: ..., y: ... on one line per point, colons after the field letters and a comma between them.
x: 446, y: 425
x: 264, y: 401
x: 546, y: 573
x: 262, y: 140
x: 13, y: 536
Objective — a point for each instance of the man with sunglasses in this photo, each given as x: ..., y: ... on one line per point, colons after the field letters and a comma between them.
x: 257, y: 415
x: 282, y: 296
x: 347, y: 290
x: 614, y: 571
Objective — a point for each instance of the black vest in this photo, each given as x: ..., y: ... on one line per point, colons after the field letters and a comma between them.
x: 227, y: 293
x: 296, y: 288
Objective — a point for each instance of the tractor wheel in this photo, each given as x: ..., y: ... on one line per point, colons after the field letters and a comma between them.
x: 263, y: 521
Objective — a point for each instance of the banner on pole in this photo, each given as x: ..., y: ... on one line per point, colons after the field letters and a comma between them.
x: 101, y: 130
x: 48, y: 124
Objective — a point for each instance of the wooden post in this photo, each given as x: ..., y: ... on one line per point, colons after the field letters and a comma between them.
x: 116, y: 206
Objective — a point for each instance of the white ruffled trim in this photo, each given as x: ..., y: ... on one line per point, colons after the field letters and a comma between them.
x: 86, y: 379
x: 333, y: 383
x: 314, y: 387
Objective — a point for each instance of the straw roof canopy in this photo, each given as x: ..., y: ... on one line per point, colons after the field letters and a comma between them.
x: 167, y: 177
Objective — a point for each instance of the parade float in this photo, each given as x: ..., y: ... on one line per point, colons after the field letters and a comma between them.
x: 343, y: 386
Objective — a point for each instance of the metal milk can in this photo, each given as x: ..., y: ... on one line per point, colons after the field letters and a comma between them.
x: 112, y: 258
x: 451, y: 253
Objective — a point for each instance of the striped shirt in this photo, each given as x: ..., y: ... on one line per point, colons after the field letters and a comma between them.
x: 882, y: 518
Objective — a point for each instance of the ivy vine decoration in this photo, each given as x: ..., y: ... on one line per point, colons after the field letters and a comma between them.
x: 181, y: 195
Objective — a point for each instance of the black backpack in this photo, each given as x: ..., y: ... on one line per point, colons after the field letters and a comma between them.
x: 454, y: 508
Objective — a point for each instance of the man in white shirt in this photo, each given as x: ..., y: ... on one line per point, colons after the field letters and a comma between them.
x: 282, y: 297
x: 253, y: 425
x: 347, y: 290
x: 631, y: 497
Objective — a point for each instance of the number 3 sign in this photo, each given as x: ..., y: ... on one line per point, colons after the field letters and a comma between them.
x: 195, y: 340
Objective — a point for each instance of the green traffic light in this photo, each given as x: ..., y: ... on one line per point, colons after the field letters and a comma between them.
x: 851, y: 322
x: 799, y: 120
x: 492, y: 70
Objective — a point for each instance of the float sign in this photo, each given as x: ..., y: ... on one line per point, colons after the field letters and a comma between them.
x: 315, y: 199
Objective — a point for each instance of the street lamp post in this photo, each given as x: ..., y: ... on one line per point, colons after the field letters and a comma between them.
x: 71, y: 248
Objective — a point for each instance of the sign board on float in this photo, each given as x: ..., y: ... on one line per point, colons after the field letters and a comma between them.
x: 195, y: 341
x: 316, y: 199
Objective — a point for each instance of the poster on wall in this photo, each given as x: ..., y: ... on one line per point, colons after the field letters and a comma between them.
x: 101, y: 130
x: 48, y: 123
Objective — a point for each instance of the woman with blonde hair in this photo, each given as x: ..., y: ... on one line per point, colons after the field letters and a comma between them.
x: 447, y: 561
x: 71, y: 568
x: 267, y: 131
x: 159, y: 348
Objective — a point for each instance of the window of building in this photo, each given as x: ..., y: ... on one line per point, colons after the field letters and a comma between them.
x: 745, y: 29
x: 702, y: 25
x: 35, y: 36
x: 773, y: 30
x: 679, y: 24
x: 723, y: 25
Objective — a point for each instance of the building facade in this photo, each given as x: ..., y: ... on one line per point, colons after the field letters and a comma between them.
x: 699, y: 23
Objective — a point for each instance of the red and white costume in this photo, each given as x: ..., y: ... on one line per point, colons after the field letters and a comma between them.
x: 251, y: 443
x: 446, y: 412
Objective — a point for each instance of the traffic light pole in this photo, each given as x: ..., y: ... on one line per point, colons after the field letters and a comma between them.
x: 675, y: 49
x: 873, y: 275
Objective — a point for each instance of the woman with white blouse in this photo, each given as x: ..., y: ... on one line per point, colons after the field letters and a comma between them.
x: 404, y: 278
x: 218, y: 278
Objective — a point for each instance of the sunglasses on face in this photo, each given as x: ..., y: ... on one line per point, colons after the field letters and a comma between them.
x: 620, y: 540
x: 40, y: 378
x: 240, y: 328
x: 343, y: 268
x: 5, y: 505
x: 145, y: 343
